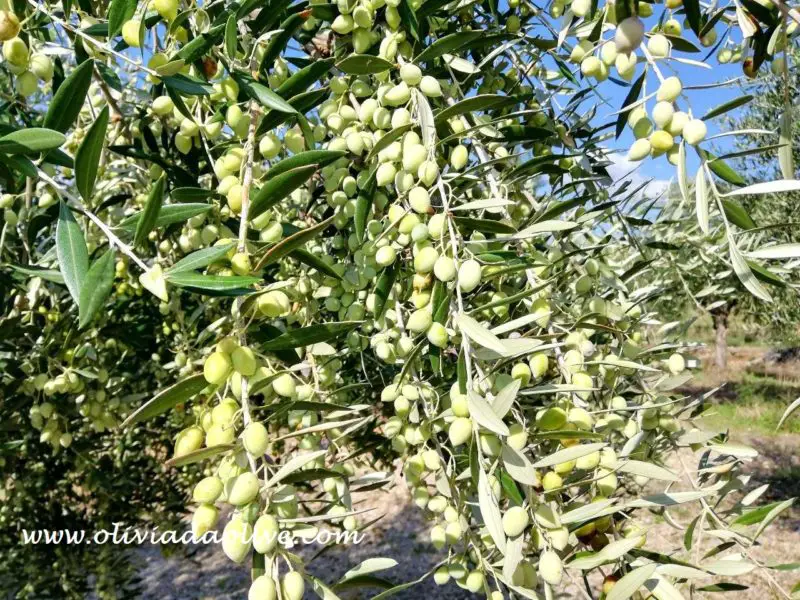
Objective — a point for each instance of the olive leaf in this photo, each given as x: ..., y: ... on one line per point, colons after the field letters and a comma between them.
x: 73, y: 257
x: 87, y: 158
x: 31, y: 140
x: 96, y: 287
x: 182, y: 391
x: 149, y: 216
x: 68, y: 100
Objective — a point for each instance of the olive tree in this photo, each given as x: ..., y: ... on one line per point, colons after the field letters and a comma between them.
x: 377, y: 229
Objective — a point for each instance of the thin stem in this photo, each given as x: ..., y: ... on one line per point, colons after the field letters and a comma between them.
x: 107, y: 231
x: 247, y: 182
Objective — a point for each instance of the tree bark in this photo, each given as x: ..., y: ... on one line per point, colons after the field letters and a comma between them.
x: 721, y: 350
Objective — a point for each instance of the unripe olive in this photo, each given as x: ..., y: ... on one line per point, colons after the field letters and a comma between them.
x: 292, y: 586
x: 444, y: 269
x: 284, y: 385
x: 265, y: 534
x: 237, y: 539
x: 274, y: 303
x: 130, y: 32
x: 385, y: 256
x: 425, y: 259
x: 550, y: 566
x: 694, y: 131
x: 580, y: 50
x: 419, y: 199
x: 459, y: 157
x: 204, y: 519
x: 26, y: 84
x: 460, y: 431
x: 216, y: 368
x: 475, y: 582
x: 42, y: 67
x: 469, y: 275
x: 430, y: 87
x: 262, y: 588
x: 442, y: 575
x: 552, y: 419
x: 659, y: 46
x: 515, y: 521
x: 398, y: 95
x: 207, y: 490
x: 162, y: 106
x: 629, y: 34
x: 581, y: 8
x: 15, y: 51
x: 677, y: 123
x: 662, y: 114
x: 411, y: 74
x: 661, y: 141
x: 9, y: 25
x: 269, y: 146
x: 639, y: 150
x: 591, y: 66
x: 188, y: 440
x: 240, y: 263
x: 608, y: 53
x: 676, y: 363
x: 244, y: 361
x: 669, y: 90
x: 242, y: 489
x: 437, y: 335
x: 419, y: 321
x: 255, y: 439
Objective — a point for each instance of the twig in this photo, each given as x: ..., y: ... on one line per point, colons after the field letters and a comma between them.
x: 107, y: 231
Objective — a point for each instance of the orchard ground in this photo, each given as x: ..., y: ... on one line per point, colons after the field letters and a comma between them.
x: 757, y: 389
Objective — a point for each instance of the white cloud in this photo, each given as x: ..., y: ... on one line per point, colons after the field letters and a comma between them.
x: 622, y: 168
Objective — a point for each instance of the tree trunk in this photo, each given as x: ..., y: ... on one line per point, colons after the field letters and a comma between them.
x: 721, y: 328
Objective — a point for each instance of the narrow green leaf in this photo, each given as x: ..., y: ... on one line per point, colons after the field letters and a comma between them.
x: 172, y: 213
x: 96, y: 288
x: 277, y: 43
x: 31, y: 140
x: 737, y: 215
x: 364, y: 64
x: 279, y: 187
x: 68, y: 100
x: 187, y: 86
x: 692, y: 8
x: 320, y: 158
x: 191, y: 194
x: 214, y: 285
x: 303, y: 79
x: 475, y: 103
x: 722, y: 170
x: 199, y: 455
x: 231, y: 36
x: 633, y: 96
x: 727, y: 106
x: 147, y: 221
x: 200, y: 258
x: 119, y: 11
x: 305, y: 336
x: 448, y: 44
x: 785, y: 158
x: 315, y: 262
x: 386, y: 140
x: 166, y: 399
x: 41, y: 272
x: 383, y: 287
x: 293, y: 242
x: 87, y: 158
x: 73, y: 257
x: 631, y: 582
